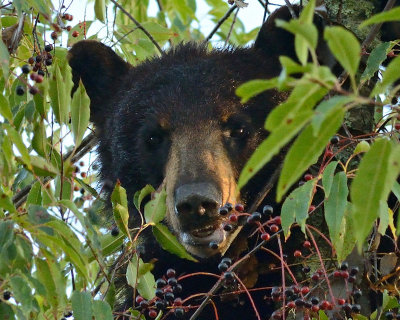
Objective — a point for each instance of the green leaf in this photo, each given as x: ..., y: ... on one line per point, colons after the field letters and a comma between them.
x: 139, y: 276
x: 295, y: 207
x: 327, y: 177
x: 383, y: 217
x: 39, y: 141
x: 303, y: 98
x: 375, y: 59
x: 100, y: 10
x: 80, y: 113
x: 362, y: 147
x: 373, y: 182
x: 35, y: 195
x: 251, y: 88
x: 41, y: 167
x: 306, y: 150
x: 169, y: 242
x: 335, y: 205
x: 102, y: 310
x: 6, y: 202
x: 45, y: 276
x: 346, y: 241
x: 4, y: 60
x: 147, y: 286
x: 132, y: 272
x: 121, y: 217
x: 81, y: 305
x: 155, y: 209
x: 322, y: 315
x: 391, y: 15
x: 345, y: 47
x: 5, y: 110
x: 17, y: 140
x: 389, y: 302
x: 325, y: 108
x: 6, y: 312
x: 59, y: 96
x: 271, y: 146
x: 22, y: 293
x: 119, y: 195
x: 43, y: 6
x: 389, y: 76
x: 141, y: 194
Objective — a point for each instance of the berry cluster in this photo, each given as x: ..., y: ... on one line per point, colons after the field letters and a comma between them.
x: 58, y: 27
x: 166, y: 296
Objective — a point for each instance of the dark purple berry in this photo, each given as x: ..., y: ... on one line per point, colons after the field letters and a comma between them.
x: 159, y: 293
x: 268, y: 210
x: 228, y: 227
x: 160, y: 304
x: 6, y: 295
x: 172, y: 282
x: 351, y: 279
x: 354, y: 271
x: 306, y: 269
x: 335, y: 139
x: 169, y: 296
x: 344, y: 266
x: 48, y: 62
x: 68, y: 314
x: 356, y: 308
x: 229, y: 276
x: 227, y: 261
x: 144, y: 304
x: 357, y: 293
x: 177, y: 289
x: 179, y: 313
x: 223, y: 211
x: 33, y: 90
x: 160, y: 283
x: 289, y: 292
x: 239, y: 207
x: 256, y: 216
x: 114, y: 231
x: 229, y: 206
x: 389, y: 315
x: 299, y: 302
x: 307, y: 305
x: 38, y: 58
x: 223, y: 267
x: 19, y: 90
x: 41, y: 72
x: 213, y: 245
x: 48, y: 47
x: 314, y: 300
x: 171, y: 273
x: 26, y: 69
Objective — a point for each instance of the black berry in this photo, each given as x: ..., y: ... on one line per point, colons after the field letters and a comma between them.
x: 229, y: 276
x: 354, y: 271
x: 229, y: 206
x: 267, y: 210
x: 179, y: 313
x: 172, y: 282
x: 160, y: 304
x: 357, y: 293
x: 344, y: 266
x: 26, y: 69
x: 38, y: 58
x: 213, y: 245
x: 160, y: 283
x: 169, y: 296
x: 171, y: 273
x: 114, y: 231
x: 223, y: 267
x: 41, y: 72
x: 48, y: 47
x: 227, y: 261
x: 19, y: 90
x: 356, y: 308
x: 389, y: 315
x: 335, y: 139
x: 6, y: 295
x: 177, y: 289
x: 223, y: 211
x: 314, y: 300
x: 159, y: 293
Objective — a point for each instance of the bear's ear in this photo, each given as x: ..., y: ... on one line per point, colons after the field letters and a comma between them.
x: 101, y: 71
x: 275, y: 41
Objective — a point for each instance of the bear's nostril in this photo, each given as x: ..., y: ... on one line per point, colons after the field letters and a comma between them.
x: 210, y: 206
x: 183, y: 208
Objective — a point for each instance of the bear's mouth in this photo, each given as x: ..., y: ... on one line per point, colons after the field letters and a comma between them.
x: 204, y: 236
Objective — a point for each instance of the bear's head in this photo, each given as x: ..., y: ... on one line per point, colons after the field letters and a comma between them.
x: 175, y: 121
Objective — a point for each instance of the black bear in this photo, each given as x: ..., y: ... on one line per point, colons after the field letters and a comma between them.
x: 175, y: 121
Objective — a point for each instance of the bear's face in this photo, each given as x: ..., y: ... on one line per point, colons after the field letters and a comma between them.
x: 175, y: 122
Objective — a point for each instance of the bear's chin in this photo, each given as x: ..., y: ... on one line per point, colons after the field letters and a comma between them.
x: 200, y: 246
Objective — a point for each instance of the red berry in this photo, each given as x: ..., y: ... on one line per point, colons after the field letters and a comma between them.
x: 308, y: 177
x: 239, y: 207
x: 54, y: 35
x: 315, y: 277
x: 305, y: 290
x: 274, y: 228
x: 69, y: 28
x: 33, y: 90
x: 344, y: 274
x: 311, y: 208
x: 33, y: 76
x: 324, y: 305
x: 39, y: 78
x: 233, y: 218
x: 265, y: 236
x: 341, y: 302
x: 75, y: 34
x: 139, y: 299
x: 297, y: 253
x: 397, y: 126
x: 70, y: 17
x: 307, y: 244
x: 178, y: 302
x: 277, y: 220
x: 291, y: 305
x: 152, y: 313
x: 31, y: 60
x: 83, y: 174
x: 315, y: 308
x: 337, y: 274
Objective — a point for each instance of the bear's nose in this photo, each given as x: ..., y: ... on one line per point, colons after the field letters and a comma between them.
x: 197, y: 199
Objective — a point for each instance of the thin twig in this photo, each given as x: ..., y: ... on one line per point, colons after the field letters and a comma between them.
x: 220, y: 22
x: 139, y: 26
x: 231, y: 28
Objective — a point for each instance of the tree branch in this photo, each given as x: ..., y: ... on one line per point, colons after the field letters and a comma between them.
x: 139, y: 26
x: 220, y: 22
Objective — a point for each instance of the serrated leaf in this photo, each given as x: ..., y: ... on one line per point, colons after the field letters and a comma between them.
x: 306, y: 150
x: 375, y: 177
x: 303, y: 98
x: 271, y: 146
x: 335, y: 205
x: 169, y: 242
x: 295, y: 207
x: 80, y: 113
x: 391, y: 15
x: 327, y: 177
x: 82, y: 305
x: 155, y: 209
x: 141, y: 194
x: 100, y: 10
x: 251, y: 88
x: 389, y: 76
x: 102, y: 310
x: 375, y: 59
x: 345, y: 47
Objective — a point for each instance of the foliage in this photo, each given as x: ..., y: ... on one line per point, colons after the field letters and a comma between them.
x: 52, y: 237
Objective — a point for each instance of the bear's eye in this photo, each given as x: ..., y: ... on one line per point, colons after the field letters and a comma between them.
x: 154, y: 140
x: 238, y: 132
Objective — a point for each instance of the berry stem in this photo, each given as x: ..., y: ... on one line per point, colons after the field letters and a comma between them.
x: 283, y: 276
x: 249, y: 295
